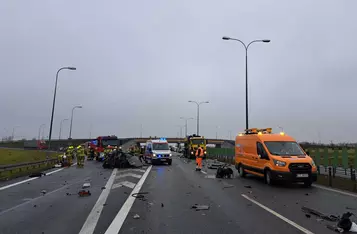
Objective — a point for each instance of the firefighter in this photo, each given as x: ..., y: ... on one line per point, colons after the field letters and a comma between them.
x: 69, y: 154
x: 80, y: 156
x: 199, y: 157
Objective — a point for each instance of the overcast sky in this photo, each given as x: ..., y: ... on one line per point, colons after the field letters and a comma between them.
x: 139, y: 62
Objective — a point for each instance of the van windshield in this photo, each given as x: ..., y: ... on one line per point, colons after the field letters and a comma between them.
x: 284, y: 148
x: 160, y: 146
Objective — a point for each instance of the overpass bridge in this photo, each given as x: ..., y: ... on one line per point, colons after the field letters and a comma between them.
x: 55, y: 143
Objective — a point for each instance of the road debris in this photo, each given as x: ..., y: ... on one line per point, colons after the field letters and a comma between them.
x: 247, y: 186
x: 310, y: 211
x: 346, y: 224
x: 224, y: 171
x: 84, y: 193
x: 86, y: 185
x: 35, y: 206
x: 306, y: 194
x: 228, y: 186
x: 136, y: 216
x: 200, y: 207
x: 162, y: 204
x: 140, y: 196
x: 308, y: 215
x: 350, y: 208
x: 43, y: 192
x: 102, y: 188
x: 57, y: 165
x: 37, y: 174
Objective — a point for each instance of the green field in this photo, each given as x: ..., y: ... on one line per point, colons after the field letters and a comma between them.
x: 15, y: 156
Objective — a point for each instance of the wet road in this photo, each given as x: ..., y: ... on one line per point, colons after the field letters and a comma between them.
x: 236, y: 205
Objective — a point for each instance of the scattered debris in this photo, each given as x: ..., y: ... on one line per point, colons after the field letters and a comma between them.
x: 224, y: 171
x: 345, y: 223
x: 319, y: 220
x: 102, y: 187
x: 140, y: 196
x: 57, y: 165
x: 203, y: 214
x: 162, y: 204
x: 28, y: 182
x: 84, y: 193
x: 308, y: 216
x: 306, y: 194
x: 136, y: 216
x: 247, y: 186
x: 228, y: 186
x: 35, y: 206
x: 105, y: 204
x: 200, y: 207
x: 86, y: 185
x: 310, y: 211
x: 350, y: 208
x: 38, y: 174
x: 43, y: 192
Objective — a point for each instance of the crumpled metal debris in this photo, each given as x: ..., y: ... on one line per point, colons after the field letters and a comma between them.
x: 84, y: 193
x: 43, y: 192
x: 310, y: 211
x: 37, y: 174
x: 136, y: 216
x: 86, y: 185
x: 140, y: 195
x: 200, y: 207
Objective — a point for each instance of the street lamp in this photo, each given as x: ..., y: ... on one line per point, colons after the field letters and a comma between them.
x: 39, y: 131
x: 246, y: 71
x: 13, y: 132
x: 60, y: 131
x: 180, y: 129
x: 198, y: 114
x: 70, y: 128
x: 186, y: 119
x: 54, y: 102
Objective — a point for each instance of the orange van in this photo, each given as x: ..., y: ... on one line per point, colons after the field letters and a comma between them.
x: 276, y: 157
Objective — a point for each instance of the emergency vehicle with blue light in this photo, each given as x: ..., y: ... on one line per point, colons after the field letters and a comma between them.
x: 158, y: 151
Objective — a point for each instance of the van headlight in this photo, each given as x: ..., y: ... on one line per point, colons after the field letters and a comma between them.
x: 154, y: 155
x: 191, y: 152
x: 205, y: 152
x: 170, y: 155
x: 279, y: 163
x: 313, y: 163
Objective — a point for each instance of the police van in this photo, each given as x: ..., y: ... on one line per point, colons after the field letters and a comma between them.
x: 158, y: 151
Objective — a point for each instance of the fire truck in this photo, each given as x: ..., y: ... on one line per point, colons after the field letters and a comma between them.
x: 193, y: 142
x: 101, y: 142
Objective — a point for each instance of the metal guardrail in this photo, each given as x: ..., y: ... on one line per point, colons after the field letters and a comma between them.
x: 4, y: 168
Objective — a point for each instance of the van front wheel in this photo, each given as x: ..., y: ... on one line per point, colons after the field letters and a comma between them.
x: 241, y: 171
x: 268, y: 179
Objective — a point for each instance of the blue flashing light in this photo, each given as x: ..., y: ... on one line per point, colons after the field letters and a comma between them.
x: 162, y: 139
x: 159, y: 156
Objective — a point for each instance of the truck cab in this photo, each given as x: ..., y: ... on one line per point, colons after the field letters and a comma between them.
x: 192, y: 142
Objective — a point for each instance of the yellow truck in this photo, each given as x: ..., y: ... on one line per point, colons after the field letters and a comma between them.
x: 192, y: 142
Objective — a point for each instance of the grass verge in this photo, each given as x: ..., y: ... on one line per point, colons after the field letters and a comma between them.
x: 14, y: 156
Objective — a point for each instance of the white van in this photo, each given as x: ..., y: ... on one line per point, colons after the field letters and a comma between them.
x: 158, y: 151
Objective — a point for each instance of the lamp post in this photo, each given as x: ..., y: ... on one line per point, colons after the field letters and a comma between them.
x: 246, y: 71
x: 39, y: 131
x: 13, y: 132
x: 186, y: 119
x: 54, y: 103
x: 70, y: 128
x: 60, y: 131
x: 198, y: 114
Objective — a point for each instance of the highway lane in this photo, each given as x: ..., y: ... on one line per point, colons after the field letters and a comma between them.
x: 179, y: 187
x: 172, y: 190
x: 23, y: 209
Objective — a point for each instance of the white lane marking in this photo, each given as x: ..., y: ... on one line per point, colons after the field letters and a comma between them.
x: 93, y: 217
x: 128, y: 174
x: 27, y: 180
x: 304, y: 230
x: 119, y: 219
x: 131, y: 170
x: 204, y: 172
x: 335, y: 190
x: 39, y: 197
x: 124, y: 183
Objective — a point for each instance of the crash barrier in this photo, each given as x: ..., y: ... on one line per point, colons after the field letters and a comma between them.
x: 19, y: 169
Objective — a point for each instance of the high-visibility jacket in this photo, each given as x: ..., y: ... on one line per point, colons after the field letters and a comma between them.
x: 199, y: 152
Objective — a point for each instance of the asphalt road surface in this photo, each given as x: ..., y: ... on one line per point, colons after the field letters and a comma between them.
x: 235, y: 205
